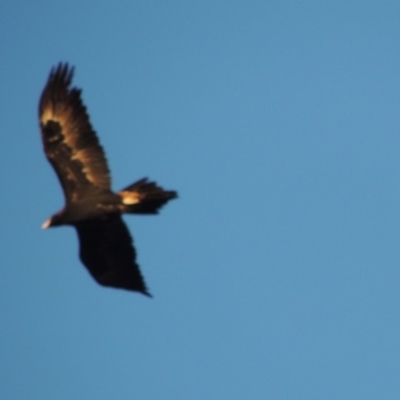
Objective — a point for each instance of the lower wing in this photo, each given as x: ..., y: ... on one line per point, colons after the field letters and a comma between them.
x: 107, y: 252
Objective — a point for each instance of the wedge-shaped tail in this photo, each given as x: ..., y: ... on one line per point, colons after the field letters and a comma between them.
x: 144, y: 197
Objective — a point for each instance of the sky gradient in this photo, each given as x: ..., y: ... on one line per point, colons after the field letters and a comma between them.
x: 276, y: 274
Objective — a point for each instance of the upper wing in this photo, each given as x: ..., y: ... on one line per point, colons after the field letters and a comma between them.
x: 107, y: 252
x: 70, y: 143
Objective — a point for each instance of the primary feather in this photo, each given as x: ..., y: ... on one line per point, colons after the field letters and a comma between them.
x: 69, y: 141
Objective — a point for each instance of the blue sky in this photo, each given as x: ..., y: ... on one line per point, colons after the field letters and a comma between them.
x: 276, y: 273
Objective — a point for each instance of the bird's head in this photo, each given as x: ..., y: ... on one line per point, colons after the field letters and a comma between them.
x: 55, y: 220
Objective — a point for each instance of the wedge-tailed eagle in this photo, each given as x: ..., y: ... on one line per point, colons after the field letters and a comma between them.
x: 74, y: 151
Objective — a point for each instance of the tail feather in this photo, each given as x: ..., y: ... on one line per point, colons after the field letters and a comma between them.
x: 144, y: 197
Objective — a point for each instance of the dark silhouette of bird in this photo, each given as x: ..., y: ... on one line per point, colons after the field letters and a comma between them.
x: 73, y: 149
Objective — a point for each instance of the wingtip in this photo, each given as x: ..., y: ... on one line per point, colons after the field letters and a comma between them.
x: 146, y: 293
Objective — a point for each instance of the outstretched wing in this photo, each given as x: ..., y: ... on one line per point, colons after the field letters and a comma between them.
x: 107, y: 252
x: 70, y: 143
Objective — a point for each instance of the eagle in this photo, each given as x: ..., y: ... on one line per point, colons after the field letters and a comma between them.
x: 91, y: 207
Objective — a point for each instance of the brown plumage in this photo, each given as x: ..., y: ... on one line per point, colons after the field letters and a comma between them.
x: 74, y: 151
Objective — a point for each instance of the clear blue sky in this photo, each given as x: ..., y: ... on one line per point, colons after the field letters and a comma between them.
x: 276, y: 274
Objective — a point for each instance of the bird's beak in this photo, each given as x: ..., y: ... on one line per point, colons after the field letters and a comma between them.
x: 46, y: 224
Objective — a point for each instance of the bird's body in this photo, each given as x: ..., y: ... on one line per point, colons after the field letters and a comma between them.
x: 74, y: 151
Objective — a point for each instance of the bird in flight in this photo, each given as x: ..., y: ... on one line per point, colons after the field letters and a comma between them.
x: 73, y: 149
